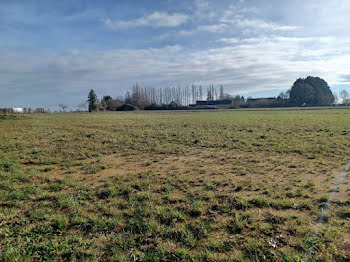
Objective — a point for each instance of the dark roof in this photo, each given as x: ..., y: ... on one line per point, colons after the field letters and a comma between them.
x: 262, y: 98
x: 214, y: 102
x: 127, y: 107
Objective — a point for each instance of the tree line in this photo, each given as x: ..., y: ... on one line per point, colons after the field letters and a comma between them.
x: 142, y: 97
x: 311, y: 91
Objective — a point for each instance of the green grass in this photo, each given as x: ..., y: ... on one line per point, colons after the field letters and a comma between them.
x: 240, y: 185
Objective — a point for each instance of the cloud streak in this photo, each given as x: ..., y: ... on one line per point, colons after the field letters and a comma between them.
x: 156, y: 19
x: 258, y: 24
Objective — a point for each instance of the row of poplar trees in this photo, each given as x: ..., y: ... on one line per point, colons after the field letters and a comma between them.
x: 145, y: 96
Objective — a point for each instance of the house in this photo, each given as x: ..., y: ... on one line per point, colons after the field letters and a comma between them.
x: 11, y: 110
x: 127, y: 107
x: 212, y: 104
x: 172, y: 105
x: 264, y: 102
x: 18, y: 110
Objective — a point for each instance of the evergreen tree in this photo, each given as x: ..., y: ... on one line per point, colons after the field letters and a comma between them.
x: 93, y: 101
x: 311, y: 91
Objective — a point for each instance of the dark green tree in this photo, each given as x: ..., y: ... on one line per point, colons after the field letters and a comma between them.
x: 93, y: 101
x: 311, y: 91
x: 110, y: 104
x: 105, y: 101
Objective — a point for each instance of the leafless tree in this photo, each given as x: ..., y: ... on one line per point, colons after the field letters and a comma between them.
x: 336, y: 98
x: 83, y: 105
x: 221, y: 96
x: 145, y: 96
x: 344, y: 95
x: 63, y: 107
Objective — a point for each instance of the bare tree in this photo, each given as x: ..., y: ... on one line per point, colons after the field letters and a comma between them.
x: 336, y: 98
x: 63, y: 107
x: 83, y: 105
x: 283, y: 95
x: 221, y: 96
x: 344, y: 95
x: 210, y: 95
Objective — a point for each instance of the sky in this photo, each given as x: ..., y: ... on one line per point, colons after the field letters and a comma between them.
x: 54, y: 52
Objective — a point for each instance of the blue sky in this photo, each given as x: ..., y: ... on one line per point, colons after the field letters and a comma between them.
x: 54, y: 52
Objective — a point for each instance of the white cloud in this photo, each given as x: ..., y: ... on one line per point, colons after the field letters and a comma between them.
x: 231, y: 40
x: 156, y: 19
x: 214, y: 28
x: 250, y: 19
x: 185, y: 32
x: 261, y: 24
x: 202, y: 9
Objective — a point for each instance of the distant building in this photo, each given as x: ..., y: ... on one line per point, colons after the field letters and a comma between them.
x: 173, y: 105
x: 127, y: 107
x: 12, y: 110
x: 212, y: 104
x: 18, y: 110
x: 264, y: 102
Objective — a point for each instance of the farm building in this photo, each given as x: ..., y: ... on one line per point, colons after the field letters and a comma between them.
x: 264, y: 102
x: 12, y: 110
x: 127, y: 107
x: 18, y: 110
x: 172, y: 105
x: 212, y: 104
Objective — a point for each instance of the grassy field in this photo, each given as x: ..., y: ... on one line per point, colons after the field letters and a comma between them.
x: 175, y: 186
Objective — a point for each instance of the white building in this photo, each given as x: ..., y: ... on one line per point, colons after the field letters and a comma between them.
x: 18, y: 110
